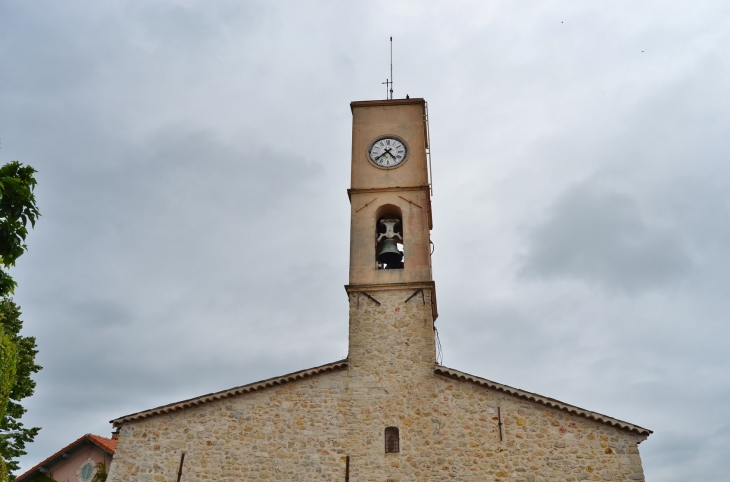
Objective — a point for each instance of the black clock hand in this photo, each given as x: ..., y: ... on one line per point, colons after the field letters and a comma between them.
x: 387, y: 151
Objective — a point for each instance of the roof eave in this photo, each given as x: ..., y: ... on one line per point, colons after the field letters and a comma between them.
x: 547, y: 401
x: 215, y: 396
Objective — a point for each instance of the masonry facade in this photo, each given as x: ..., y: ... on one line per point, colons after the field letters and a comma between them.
x: 329, y: 422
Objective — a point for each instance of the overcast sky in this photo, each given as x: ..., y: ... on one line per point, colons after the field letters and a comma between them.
x: 193, y: 163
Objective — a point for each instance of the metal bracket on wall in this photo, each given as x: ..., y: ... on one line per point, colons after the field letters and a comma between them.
x: 365, y: 205
x: 179, y: 470
x: 414, y: 294
x: 499, y: 418
x: 378, y: 302
x: 410, y: 202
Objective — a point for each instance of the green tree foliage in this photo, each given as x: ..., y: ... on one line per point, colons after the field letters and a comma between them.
x: 43, y: 478
x: 8, y: 369
x: 100, y: 475
x: 8, y: 372
x: 13, y: 436
x: 17, y: 353
x: 17, y: 209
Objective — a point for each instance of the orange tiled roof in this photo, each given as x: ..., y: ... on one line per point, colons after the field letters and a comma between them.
x: 106, y: 444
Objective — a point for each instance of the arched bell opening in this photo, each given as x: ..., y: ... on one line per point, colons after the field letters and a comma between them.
x: 389, y: 237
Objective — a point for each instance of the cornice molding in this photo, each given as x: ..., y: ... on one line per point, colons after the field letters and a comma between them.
x: 386, y: 103
x: 415, y: 285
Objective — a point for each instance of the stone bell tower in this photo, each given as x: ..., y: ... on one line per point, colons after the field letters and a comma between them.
x: 391, y: 290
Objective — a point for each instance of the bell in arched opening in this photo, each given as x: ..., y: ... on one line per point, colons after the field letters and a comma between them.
x: 388, y: 254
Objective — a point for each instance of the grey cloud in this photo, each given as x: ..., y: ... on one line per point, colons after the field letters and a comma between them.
x: 692, y: 457
x: 176, y: 197
x: 600, y: 236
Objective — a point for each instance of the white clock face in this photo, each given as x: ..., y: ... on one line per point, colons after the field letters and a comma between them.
x: 388, y: 152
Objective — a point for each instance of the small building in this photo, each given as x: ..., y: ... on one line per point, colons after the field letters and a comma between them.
x: 78, y: 461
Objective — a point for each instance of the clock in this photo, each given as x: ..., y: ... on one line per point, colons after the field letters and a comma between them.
x: 388, y: 152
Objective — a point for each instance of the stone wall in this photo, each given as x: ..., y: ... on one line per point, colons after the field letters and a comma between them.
x: 303, y: 430
x: 291, y: 432
x: 449, y: 429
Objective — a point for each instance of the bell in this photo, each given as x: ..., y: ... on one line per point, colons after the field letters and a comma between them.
x: 388, y: 253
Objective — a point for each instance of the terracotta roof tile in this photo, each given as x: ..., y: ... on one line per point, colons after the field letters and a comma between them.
x: 106, y: 443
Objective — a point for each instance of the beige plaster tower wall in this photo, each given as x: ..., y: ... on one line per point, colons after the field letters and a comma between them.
x: 373, y: 119
x: 374, y: 189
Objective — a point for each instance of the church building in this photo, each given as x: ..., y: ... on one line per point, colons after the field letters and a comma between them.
x: 388, y: 412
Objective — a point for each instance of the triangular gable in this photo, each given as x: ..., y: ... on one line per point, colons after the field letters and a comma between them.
x: 547, y: 401
x: 439, y: 370
x: 212, y: 397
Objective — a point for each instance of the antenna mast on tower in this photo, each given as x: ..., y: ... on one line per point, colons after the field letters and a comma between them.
x: 391, y: 68
x: 389, y: 82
